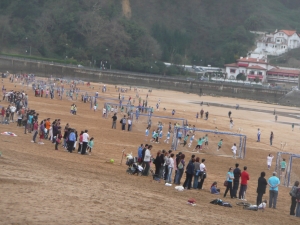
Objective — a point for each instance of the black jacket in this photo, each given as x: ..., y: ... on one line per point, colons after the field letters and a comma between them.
x: 237, y: 174
x: 262, y: 185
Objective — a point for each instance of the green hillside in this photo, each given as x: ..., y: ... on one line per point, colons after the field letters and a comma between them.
x: 139, y: 34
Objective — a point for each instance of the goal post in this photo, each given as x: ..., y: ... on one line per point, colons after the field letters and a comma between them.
x: 292, y: 170
x: 151, y: 120
x: 240, y: 139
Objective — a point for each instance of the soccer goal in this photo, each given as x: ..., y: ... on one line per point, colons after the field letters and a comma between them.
x: 291, y: 173
x: 128, y: 109
x: 214, y: 137
x: 154, y: 121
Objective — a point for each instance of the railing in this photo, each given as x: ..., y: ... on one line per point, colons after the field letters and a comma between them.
x: 120, y: 72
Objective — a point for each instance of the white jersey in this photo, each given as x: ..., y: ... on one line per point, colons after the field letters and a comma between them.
x: 233, y: 149
x: 269, y: 160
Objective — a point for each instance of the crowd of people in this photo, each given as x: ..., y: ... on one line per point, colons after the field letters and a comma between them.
x: 236, y: 182
x: 169, y: 166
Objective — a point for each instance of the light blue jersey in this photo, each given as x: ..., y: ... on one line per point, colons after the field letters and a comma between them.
x: 179, y: 134
x: 160, y: 134
x: 147, y: 132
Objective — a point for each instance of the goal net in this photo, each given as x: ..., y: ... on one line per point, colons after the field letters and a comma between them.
x: 291, y: 173
x: 214, y: 137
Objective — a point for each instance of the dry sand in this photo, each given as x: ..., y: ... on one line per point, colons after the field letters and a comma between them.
x: 43, y: 186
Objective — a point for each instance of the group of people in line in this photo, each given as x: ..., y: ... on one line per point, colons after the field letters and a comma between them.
x: 167, y: 163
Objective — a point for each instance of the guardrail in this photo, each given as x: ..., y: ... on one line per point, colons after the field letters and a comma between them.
x: 98, y: 70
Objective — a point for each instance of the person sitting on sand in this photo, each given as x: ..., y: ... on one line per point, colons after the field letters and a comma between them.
x: 214, y: 189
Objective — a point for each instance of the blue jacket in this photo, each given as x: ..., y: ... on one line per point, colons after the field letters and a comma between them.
x: 140, y: 152
x: 213, y: 190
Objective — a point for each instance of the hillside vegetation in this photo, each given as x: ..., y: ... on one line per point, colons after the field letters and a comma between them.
x: 138, y: 34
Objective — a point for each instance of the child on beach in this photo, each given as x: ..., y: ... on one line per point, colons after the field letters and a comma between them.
x: 168, y: 137
x: 185, y: 140
x: 206, y: 141
x: 233, y: 148
x: 220, y: 144
x: 269, y: 161
x: 191, y: 140
x: 58, y: 140
x: 90, y: 145
x: 153, y: 136
x: 179, y: 135
x: 199, y: 144
x: 146, y: 134
x: 160, y: 134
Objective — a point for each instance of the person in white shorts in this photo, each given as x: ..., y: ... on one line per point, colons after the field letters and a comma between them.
x: 104, y: 112
x: 168, y: 137
x: 191, y: 140
x: 233, y: 148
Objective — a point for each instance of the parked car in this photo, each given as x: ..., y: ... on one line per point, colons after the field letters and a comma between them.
x: 80, y: 66
x: 190, y: 79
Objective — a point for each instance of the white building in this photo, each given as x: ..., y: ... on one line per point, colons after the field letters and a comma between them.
x: 254, y: 68
x: 276, y: 43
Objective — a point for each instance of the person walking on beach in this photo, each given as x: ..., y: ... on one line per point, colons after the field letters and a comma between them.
x: 293, y: 125
x: 269, y: 161
x: 276, y: 118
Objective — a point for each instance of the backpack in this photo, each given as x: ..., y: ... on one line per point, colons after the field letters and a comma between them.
x: 180, y: 165
x: 298, y: 194
x: 293, y: 191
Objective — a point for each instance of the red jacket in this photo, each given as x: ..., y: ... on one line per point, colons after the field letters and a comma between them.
x: 244, y: 177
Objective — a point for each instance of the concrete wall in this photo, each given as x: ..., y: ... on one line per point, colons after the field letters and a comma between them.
x: 61, y: 71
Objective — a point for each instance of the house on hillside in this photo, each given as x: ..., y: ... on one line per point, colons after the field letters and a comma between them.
x: 254, y: 68
x: 276, y: 43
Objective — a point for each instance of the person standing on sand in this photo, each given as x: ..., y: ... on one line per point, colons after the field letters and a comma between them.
x: 71, y: 140
x: 244, y: 180
x: 85, y: 140
x: 206, y: 115
x: 236, y: 180
x: 114, y: 118
x: 229, y: 114
x: 123, y: 122
x: 276, y: 118
x: 173, y: 112
x: 261, y: 188
x: 271, y: 138
x: 293, y: 125
x: 273, y: 193
x: 229, y: 179
x: 258, y: 135
x: 146, y: 160
x: 201, y: 113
